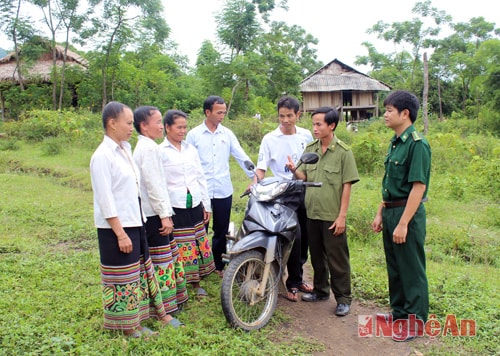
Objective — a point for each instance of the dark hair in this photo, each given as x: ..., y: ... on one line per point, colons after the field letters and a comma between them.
x: 289, y: 103
x: 171, y: 115
x: 402, y: 99
x: 142, y: 114
x: 210, y: 101
x: 111, y: 111
x: 331, y: 115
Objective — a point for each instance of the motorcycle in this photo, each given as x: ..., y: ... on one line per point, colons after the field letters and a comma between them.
x: 257, y: 254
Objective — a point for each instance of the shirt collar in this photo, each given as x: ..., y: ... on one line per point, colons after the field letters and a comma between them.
x: 113, y: 145
x: 217, y: 130
x: 167, y: 143
x: 405, y: 135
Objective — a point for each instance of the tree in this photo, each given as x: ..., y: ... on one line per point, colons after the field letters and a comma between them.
x: 18, y: 28
x: 117, y: 28
x: 455, y: 57
x: 208, y: 68
x: 53, y: 25
x: 289, y: 57
x: 72, y: 22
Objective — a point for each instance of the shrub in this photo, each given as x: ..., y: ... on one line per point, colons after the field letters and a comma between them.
x: 9, y: 145
x: 36, y: 125
x: 369, y: 153
x: 52, y: 146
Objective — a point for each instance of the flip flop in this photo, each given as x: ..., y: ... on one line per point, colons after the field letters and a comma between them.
x: 292, y: 294
x: 175, y: 323
x: 304, y: 287
x: 147, y: 332
x: 136, y: 334
x: 200, y: 292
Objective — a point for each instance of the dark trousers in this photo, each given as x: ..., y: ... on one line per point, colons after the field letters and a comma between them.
x: 299, y: 253
x: 221, y: 214
x: 304, y: 240
x: 408, y: 287
x: 330, y: 261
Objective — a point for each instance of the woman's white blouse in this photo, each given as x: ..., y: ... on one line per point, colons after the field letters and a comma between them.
x: 154, y: 193
x: 183, y: 171
x: 115, y: 183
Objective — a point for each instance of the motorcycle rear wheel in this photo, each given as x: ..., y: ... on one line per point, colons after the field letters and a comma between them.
x: 241, y: 305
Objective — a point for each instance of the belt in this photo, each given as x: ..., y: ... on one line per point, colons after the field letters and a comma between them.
x: 398, y: 203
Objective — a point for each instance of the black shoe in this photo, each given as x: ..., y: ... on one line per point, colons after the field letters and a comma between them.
x: 313, y: 297
x: 342, y: 309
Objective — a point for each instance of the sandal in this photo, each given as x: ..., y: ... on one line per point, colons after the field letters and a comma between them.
x: 200, y: 292
x: 134, y: 334
x: 147, y: 332
x: 305, y: 288
x: 292, y: 294
x: 175, y: 323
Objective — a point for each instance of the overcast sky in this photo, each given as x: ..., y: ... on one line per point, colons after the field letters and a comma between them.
x: 340, y: 26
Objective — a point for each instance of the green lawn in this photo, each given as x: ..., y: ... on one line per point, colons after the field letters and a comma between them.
x: 49, y: 267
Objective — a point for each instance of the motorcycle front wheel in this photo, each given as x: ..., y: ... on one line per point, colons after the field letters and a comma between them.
x: 241, y: 304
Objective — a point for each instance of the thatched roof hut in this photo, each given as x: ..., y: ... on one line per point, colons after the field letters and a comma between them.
x: 339, y: 85
x: 40, y: 70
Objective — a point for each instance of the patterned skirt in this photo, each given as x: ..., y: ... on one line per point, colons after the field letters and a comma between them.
x: 129, y: 286
x: 192, y: 241
x: 168, y: 266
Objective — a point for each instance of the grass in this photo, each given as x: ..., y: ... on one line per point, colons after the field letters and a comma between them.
x: 49, y: 267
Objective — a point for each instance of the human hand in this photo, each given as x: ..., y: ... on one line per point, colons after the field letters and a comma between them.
x: 125, y: 244
x: 167, y: 226
x: 399, y: 234
x: 206, y: 217
x: 290, y: 165
x: 338, y: 227
x: 377, y: 224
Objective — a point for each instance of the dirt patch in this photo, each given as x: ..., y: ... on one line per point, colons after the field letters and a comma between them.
x: 339, y: 335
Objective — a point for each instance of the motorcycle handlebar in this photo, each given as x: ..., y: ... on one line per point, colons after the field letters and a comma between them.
x: 245, y: 193
x: 313, y: 184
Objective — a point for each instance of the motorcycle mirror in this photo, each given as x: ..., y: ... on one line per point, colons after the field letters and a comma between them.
x: 308, y: 158
x: 249, y: 165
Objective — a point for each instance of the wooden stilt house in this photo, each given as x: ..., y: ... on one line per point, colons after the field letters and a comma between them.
x: 338, y: 85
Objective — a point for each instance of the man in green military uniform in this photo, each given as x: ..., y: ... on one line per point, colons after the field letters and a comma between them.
x: 326, y: 209
x: 401, y: 215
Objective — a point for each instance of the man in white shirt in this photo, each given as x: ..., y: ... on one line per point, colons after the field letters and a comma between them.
x: 215, y: 144
x: 288, y: 140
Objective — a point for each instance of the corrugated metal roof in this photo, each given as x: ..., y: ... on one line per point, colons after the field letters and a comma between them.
x: 336, y: 76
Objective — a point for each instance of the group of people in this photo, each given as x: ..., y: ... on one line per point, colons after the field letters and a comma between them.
x: 152, y: 207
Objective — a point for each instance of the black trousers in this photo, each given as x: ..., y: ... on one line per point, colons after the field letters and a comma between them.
x: 221, y: 215
x: 330, y: 261
x: 298, y: 255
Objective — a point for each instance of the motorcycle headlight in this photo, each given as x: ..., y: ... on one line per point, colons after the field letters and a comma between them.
x: 268, y: 191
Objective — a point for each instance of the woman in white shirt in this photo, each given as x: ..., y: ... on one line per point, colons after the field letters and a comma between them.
x: 129, y: 286
x: 163, y: 250
x: 188, y: 193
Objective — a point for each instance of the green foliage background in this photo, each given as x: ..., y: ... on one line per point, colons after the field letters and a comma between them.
x: 49, y: 264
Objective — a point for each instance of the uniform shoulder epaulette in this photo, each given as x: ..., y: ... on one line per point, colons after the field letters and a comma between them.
x: 344, y: 145
x: 416, y: 136
x: 312, y: 142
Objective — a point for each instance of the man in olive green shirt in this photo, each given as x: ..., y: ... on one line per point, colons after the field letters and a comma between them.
x: 401, y: 215
x: 326, y: 209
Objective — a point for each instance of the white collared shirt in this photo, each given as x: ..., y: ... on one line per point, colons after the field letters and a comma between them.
x: 154, y: 195
x: 215, y: 149
x: 276, y: 147
x: 182, y: 172
x: 115, y: 181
